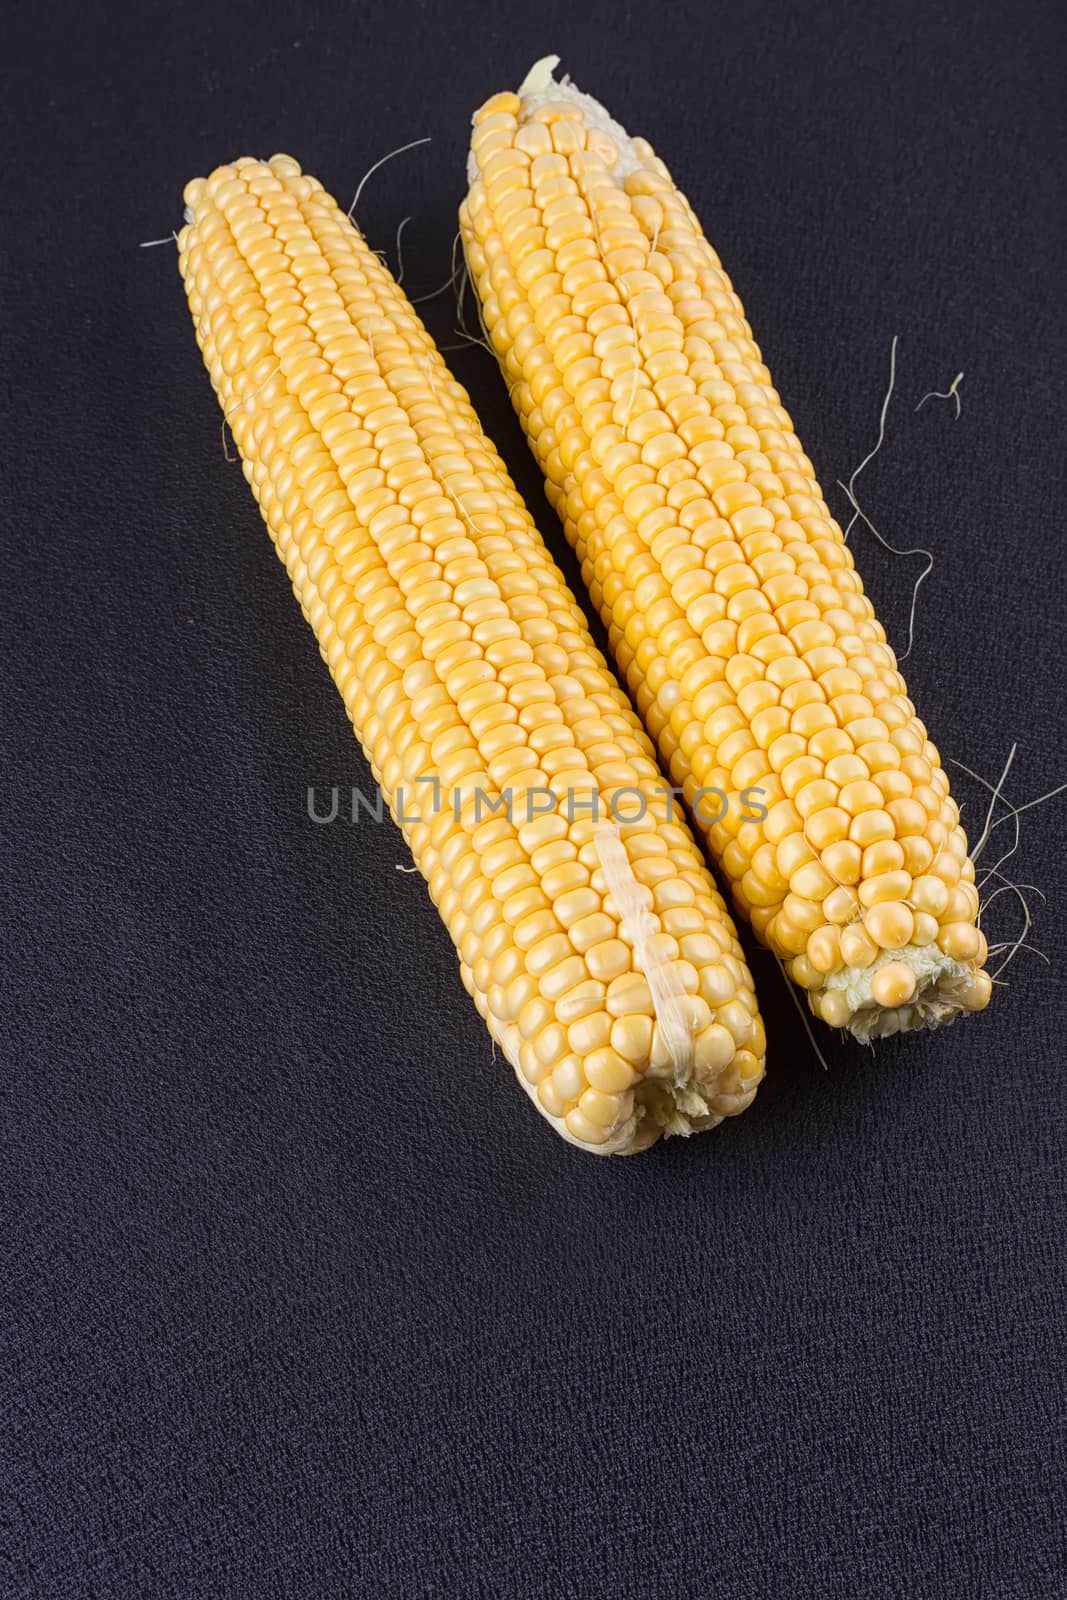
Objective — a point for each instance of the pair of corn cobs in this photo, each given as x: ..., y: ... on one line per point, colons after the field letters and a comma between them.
x: 589, y: 930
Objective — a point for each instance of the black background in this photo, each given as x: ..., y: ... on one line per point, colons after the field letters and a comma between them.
x: 301, y: 1298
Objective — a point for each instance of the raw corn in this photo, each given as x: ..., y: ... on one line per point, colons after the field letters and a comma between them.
x: 598, y: 951
x: 730, y: 597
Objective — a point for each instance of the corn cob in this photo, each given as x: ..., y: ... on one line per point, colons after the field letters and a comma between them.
x: 599, y: 953
x: 729, y: 595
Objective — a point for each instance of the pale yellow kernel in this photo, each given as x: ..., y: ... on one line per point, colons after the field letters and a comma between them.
x: 566, y: 975
x: 589, y: 1033
x: 717, y: 985
x: 550, y: 1099
x: 893, y: 984
x: 569, y: 1078
x: 608, y: 960
x: 698, y: 948
x: 925, y: 931
x: 584, y: 1129
x: 890, y: 924
x: 736, y: 1019
x: 575, y: 903
x: 602, y: 1109
x: 631, y: 1038
x: 628, y: 995
x: 607, y: 1071
x: 544, y: 955
x: 591, y: 931
x: 536, y: 1014
x: 550, y: 1044
x: 713, y: 1049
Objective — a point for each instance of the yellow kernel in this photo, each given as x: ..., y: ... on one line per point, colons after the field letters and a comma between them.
x: 789, y: 939
x: 860, y: 797
x: 816, y: 796
x: 890, y: 924
x: 869, y: 827
x: 843, y: 861
x: 930, y: 894
x: 824, y: 950
x: 908, y: 815
x: 804, y: 914
x: 826, y: 828
x: 840, y: 905
x: 749, y: 1063
x: 893, y: 984
x: 698, y: 948
x: 833, y: 1007
x: 960, y: 940
x: 918, y: 854
x: 858, y: 949
x: 976, y: 992
x: 811, y: 881
x: 736, y: 1019
x: 847, y: 769
x: 962, y: 903
x: 884, y: 856
x: 888, y: 886
x: 534, y: 1015
x: 792, y: 854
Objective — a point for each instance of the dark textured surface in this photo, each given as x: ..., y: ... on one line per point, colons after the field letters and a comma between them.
x: 300, y: 1297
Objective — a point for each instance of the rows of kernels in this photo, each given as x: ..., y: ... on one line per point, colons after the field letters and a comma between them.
x: 729, y: 595
x: 459, y: 652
